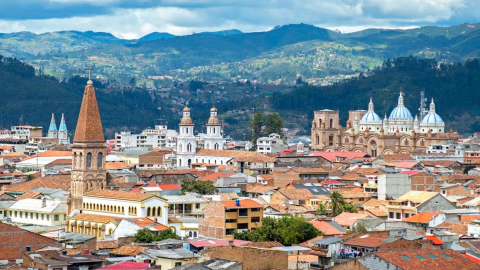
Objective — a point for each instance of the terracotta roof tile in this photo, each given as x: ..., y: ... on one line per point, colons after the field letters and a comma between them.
x: 243, y: 204
x: 368, y: 171
x: 128, y: 250
x: 259, y: 188
x: 118, y: 195
x: 349, y: 219
x: 424, y: 217
x: 375, y: 202
x: 458, y: 228
x: 397, y: 157
x: 453, y: 260
x: 377, y: 212
x: 296, y: 193
x: 107, y: 245
x: 325, y: 227
x: 215, y: 176
x: 416, y: 196
x: 238, y: 155
x: 115, y: 165
x: 228, y: 196
x: 353, y: 194
x: 93, y: 217
x: 52, y: 153
x: 369, y: 241
x: 268, y: 244
x: 89, y: 126
x: 28, y: 195
x: 55, y: 182
x: 309, y: 170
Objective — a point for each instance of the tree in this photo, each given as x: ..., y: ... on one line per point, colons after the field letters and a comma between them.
x: 146, y: 236
x: 256, y: 128
x: 286, y: 230
x: 200, y: 187
x: 339, y: 205
x: 360, y: 227
x: 468, y: 168
x: 273, y: 124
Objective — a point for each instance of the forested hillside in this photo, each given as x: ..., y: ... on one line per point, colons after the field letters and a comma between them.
x: 454, y: 87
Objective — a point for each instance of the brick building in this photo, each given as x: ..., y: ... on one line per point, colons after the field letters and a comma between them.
x: 14, y: 241
x: 252, y: 258
x: 223, y: 218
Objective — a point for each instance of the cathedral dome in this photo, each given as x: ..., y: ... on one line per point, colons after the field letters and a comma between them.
x: 370, y: 116
x: 213, y: 121
x: 432, y: 118
x: 186, y: 109
x: 400, y: 112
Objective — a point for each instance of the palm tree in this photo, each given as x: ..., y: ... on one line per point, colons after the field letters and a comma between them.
x: 337, y: 203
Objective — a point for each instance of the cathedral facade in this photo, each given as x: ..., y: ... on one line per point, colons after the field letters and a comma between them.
x: 365, y: 131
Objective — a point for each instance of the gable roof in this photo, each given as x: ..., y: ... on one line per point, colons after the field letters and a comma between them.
x: 296, y: 193
x: 128, y: 250
x: 60, y: 181
x: 396, y: 157
x: 315, y: 189
x: 93, y: 217
x: 349, y: 219
x: 369, y: 241
x: 229, y: 204
x: 215, y: 176
x: 332, y: 156
x: 327, y: 228
x: 429, y: 259
x: 375, y: 202
x: 148, y: 223
x: 28, y: 195
x: 117, y: 194
x: 424, y: 217
x: 238, y: 155
x: 406, y: 164
x: 416, y: 196
x: 127, y: 265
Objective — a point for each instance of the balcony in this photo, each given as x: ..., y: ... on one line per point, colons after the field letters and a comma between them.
x: 372, y: 186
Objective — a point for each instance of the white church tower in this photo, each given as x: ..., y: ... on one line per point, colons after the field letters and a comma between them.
x: 63, y: 132
x: 214, y: 138
x: 186, y: 141
x: 52, y: 129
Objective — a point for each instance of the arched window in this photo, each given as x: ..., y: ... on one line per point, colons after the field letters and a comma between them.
x: 154, y: 211
x: 405, y: 142
x: 100, y: 160
x: 74, y: 160
x: 347, y: 140
x: 330, y: 140
x: 216, y: 146
x: 148, y: 212
x: 189, y: 147
x: 331, y: 123
x: 422, y: 143
x: 159, y: 211
x: 207, y: 146
x: 180, y: 148
x: 317, y: 138
x: 195, y: 234
x: 180, y: 163
x: 213, y: 130
x: 189, y: 162
x: 89, y: 160
x: 81, y: 160
x: 190, y: 234
x: 361, y: 140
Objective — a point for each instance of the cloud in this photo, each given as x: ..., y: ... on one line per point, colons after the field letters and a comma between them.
x: 132, y: 19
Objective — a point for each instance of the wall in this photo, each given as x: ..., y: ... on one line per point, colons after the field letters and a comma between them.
x: 252, y: 258
x: 213, y: 224
x: 351, y: 265
x: 424, y: 182
x: 393, y: 185
x: 437, y: 202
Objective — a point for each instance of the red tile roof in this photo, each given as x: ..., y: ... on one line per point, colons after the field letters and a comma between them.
x: 215, y: 176
x: 332, y: 156
x: 349, y: 219
x: 128, y: 266
x: 424, y: 217
x: 444, y: 259
x: 325, y: 228
x: 217, y: 243
x: 243, y: 204
x: 410, y: 173
x: 128, y: 250
x: 169, y: 187
x: 435, y: 240
x: 406, y: 164
x: 89, y: 125
x: 368, y: 241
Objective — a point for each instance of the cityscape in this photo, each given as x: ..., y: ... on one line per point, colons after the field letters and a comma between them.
x: 189, y: 144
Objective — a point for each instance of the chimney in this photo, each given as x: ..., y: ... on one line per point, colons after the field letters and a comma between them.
x: 44, y: 203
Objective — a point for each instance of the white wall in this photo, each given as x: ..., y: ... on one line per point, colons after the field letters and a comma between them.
x: 393, y: 185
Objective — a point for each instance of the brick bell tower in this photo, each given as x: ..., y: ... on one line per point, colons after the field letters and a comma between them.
x: 88, y: 150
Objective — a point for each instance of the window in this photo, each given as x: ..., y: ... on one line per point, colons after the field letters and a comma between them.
x: 27, y: 248
x: 48, y: 217
x: 36, y: 216
x: 398, y: 215
x: 229, y: 231
x: 432, y: 256
x: 255, y: 219
x: 243, y: 213
x: 420, y: 257
x: 21, y: 214
x: 89, y: 160
x: 31, y: 215
x: 197, y: 206
x: 361, y: 199
x: 177, y: 264
x: 15, y: 213
x: 230, y: 221
x: 43, y: 216
x: 390, y: 214
x: 406, y: 257
x: 445, y: 256
x: 55, y: 217
x: 100, y: 160
x: 255, y: 209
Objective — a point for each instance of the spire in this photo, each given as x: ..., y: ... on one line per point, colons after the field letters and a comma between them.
x: 213, y: 120
x: 400, y: 99
x: 63, y: 125
x: 416, y: 118
x: 53, y: 125
x: 432, y: 107
x: 370, y: 105
x: 385, y: 119
x: 89, y: 125
x: 186, y: 119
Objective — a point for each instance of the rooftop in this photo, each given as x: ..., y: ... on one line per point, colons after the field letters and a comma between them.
x: 117, y: 194
x: 242, y: 204
x: 369, y: 241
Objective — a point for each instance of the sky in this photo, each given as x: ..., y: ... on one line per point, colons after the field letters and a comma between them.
x: 135, y: 18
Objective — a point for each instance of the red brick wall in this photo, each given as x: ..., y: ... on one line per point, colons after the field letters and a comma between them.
x: 458, y: 190
x: 468, y: 218
x: 213, y: 224
x: 252, y: 258
x: 13, y: 242
x: 424, y: 182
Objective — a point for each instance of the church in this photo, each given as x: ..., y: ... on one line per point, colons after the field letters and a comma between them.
x: 61, y: 133
x: 365, y: 131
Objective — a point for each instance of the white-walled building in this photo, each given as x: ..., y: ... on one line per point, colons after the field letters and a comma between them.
x: 186, y: 141
x: 41, y: 212
x: 272, y: 144
x: 213, y: 139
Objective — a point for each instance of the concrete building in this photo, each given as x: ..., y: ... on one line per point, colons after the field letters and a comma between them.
x: 414, y: 202
x: 272, y: 144
x: 393, y: 185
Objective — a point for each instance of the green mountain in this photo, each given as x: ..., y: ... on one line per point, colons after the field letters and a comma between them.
x: 282, y: 53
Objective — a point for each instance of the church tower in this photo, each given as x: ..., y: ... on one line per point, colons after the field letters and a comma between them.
x: 214, y: 138
x: 88, y: 150
x: 52, y: 129
x: 186, y: 141
x: 63, y: 132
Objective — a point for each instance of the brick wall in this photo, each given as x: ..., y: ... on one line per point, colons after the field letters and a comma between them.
x: 151, y: 158
x: 400, y: 244
x: 252, y: 258
x: 424, y: 182
x: 14, y: 241
x: 468, y: 218
x: 351, y: 265
x: 458, y: 190
x: 213, y: 224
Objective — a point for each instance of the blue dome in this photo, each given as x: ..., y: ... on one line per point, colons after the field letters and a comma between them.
x: 400, y: 112
x: 371, y: 117
x: 432, y: 118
